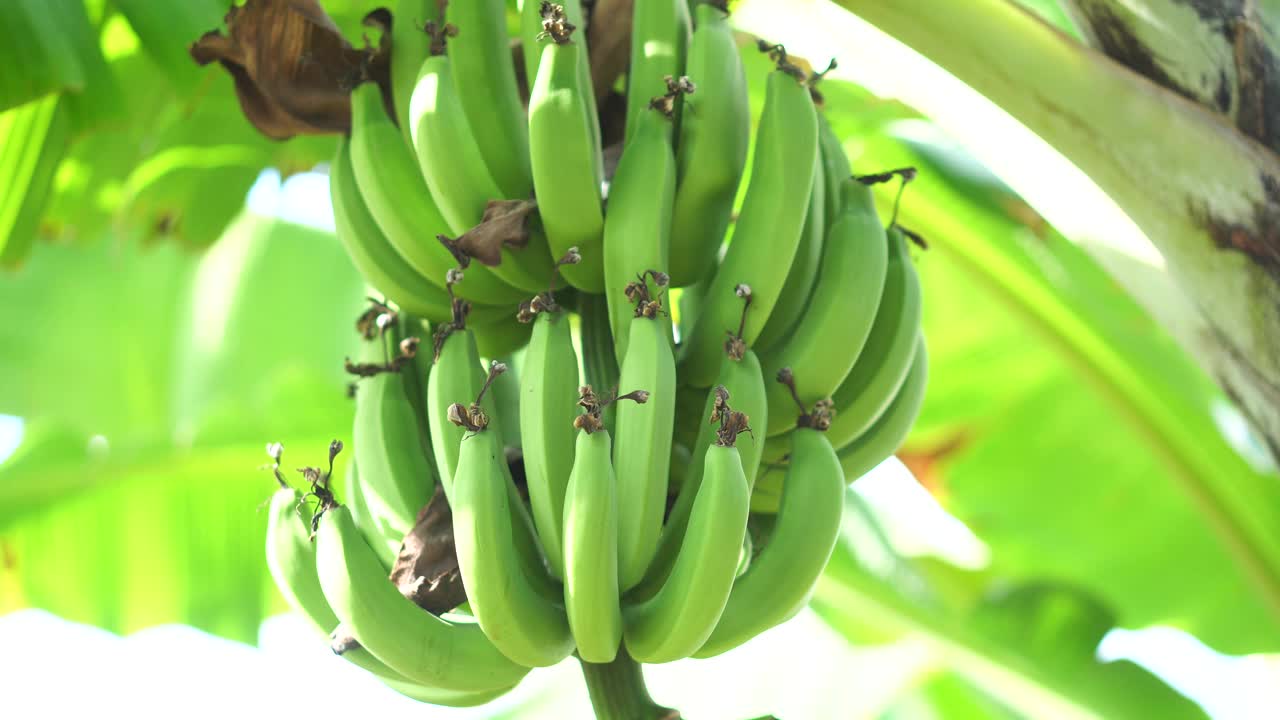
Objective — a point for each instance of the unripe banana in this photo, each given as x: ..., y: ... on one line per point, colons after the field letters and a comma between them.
x: 637, y: 225
x: 768, y: 228
x: 531, y: 45
x: 659, y: 40
x: 715, y: 131
x: 835, y: 166
x: 354, y: 495
x: 457, y: 374
x: 397, y: 197
x: 364, y: 660
x: 677, y: 621
x: 793, y: 301
x: 886, y: 358
x: 547, y: 408
x: 515, y: 616
x: 830, y: 335
x: 591, y: 550
x: 370, y: 250
x: 423, y: 647
x: 642, y: 460
x: 486, y: 87
x: 741, y: 378
x: 506, y: 391
x: 397, y: 479
x: 888, y: 433
x: 501, y: 336
x: 782, y: 575
x: 565, y: 156
x: 291, y: 559
x: 410, y: 46
x: 453, y: 165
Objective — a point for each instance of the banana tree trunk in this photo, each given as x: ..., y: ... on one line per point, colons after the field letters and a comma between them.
x: 1170, y: 117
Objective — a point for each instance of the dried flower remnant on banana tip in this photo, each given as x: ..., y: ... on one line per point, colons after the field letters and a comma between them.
x: 316, y: 479
x: 545, y: 302
x: 592, y: 419
x: 819, y: 418
x: 473, y: 417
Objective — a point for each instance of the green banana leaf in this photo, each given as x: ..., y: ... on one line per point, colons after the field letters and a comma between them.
x: 1033, y: 647
x: 150, y: 380
x: 39, y: 57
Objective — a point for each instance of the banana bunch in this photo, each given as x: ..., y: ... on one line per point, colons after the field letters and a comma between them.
x: 555, y: 465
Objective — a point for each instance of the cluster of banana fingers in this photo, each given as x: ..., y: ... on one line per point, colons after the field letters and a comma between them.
x: 621, y: 492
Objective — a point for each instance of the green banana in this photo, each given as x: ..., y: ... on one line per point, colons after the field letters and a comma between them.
x: 590, y: 558
x: 741, y: 378
x: 793, y: 301
x: 370, y: 251
x: 423, y: 647
x: 638, y: 222
x: 677, y: 621
x: 365, y: 660
x: 397, y: 197
x: 506, y: 397
x: 891, y: 429
x: 515, y: 616
x: 768, y: 228
x: 835, y: 166
x: 452, y: 163
x: 643, y: 460
x: 457, y: 374
x: 566, y: 158
x: 448, y: 153
x: 396, y: 476
x: 547, y: 409
x: 886, y: 358
x: 659, y: 40
x: 291, y: 559
x: 410, y: 46
x: 781, y: 577
x: 715, y: 130
x: 830, y: 335
x: 531, y: 45
x: 354, y: 495
x: 500, y: 337
x: 436, y: 696
x: 486, y: 87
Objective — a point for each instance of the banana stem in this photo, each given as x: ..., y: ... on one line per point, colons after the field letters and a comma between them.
x: 618, y: 691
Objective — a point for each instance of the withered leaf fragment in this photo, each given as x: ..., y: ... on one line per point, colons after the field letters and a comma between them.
x: 426, y: 571
x: 293, y: 69
x: 505, y: 222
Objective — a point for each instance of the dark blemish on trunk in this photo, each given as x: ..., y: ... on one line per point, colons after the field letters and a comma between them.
x: 1253, y: 94
x: 1223, y: 94
x: 1117, y: 40
x: 1258, y: 79
x: 1221, y: 12
x: 1259, y: 237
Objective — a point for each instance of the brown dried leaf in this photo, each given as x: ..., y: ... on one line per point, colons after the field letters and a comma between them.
x: 293, y: 69
x: 505, y: 223
x: 426, y: 571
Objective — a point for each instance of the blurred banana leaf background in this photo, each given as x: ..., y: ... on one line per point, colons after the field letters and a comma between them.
x: 156, y: 332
